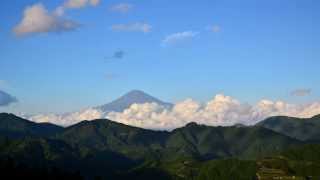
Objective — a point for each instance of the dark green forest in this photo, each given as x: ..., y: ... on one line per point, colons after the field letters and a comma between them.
x: 103, y: 149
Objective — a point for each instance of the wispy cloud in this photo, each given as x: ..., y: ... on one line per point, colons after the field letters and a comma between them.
x: 177, y: 37
x: 134, y: 27
x: 75, y: 4
x: 121, y: 8
x: 37, y: 19
x: 301, y: 92
x: 6, y: 99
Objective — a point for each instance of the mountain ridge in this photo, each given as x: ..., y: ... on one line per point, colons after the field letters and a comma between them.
x: 15, y: 126
x: 113, y: 150
x: 299, y: 128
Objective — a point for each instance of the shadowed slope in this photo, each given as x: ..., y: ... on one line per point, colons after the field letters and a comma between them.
x: 299, y: 128
x: 14, y: 126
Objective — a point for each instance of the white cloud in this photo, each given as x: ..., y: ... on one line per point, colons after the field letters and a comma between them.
x: 220, y: 111
x: 75, y: 4
x: 135, y: 27
x: 68, y: 119
x: 121, y: 8
x: 177, y: 37
x: 37, y: 19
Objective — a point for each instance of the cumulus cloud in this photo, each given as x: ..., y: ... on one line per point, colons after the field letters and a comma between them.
x: 121, y: 8
x: 135, y: 27
x: 6, y: 99
x: 37, y: 19
x: 68, y: 119
x: 177, y: 37
x: 220, y: 111
x: 301, y: 92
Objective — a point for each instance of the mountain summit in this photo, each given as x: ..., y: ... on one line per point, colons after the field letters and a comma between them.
x: 132, y: 97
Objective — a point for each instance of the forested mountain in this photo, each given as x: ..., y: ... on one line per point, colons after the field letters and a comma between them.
x: 106, y: 149
x: 299, y: 128
x: 14, y: 126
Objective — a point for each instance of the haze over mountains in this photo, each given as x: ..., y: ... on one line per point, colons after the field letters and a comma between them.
x: 137, y: 108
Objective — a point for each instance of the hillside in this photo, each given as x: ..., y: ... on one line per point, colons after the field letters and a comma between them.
x: 14, y: 126
x: 193, y: 141
x: 302, y: 129
x: 106, y: 149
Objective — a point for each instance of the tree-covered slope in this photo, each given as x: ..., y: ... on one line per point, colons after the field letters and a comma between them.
x: 223, y: 142
x: 103, y: 148
x: 14, y: 126
x: 307, y: 129
x: 101, y: 135
x: 191, y: 141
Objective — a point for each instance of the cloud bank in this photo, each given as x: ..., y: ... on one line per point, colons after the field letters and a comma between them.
x: 6, y: 99
x: 220, y: 111
x: 67, y: 119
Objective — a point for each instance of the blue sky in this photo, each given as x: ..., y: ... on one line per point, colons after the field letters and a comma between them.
x: 248, y: 49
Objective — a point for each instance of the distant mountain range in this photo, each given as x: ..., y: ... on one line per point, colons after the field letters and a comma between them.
x: 112, y: 150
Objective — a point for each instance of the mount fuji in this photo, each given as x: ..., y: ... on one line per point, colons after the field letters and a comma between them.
x: 132, y: 97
